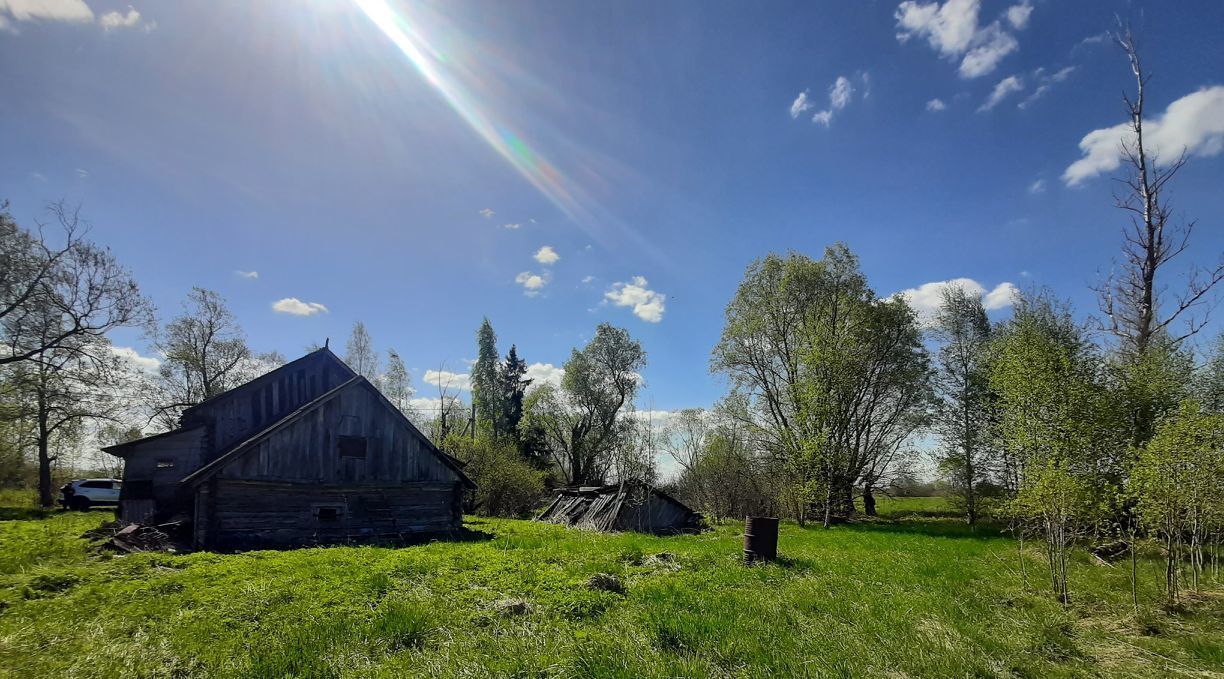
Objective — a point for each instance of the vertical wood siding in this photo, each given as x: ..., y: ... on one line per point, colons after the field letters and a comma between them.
x: 307, y: 450
x: 241, y: 412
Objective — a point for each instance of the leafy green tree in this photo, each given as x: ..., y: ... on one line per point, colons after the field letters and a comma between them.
x: 1057, y: 423
x: 486, y: 387
x: 1209, y: 381
x: 962, y: 383
x: 836, y: 379
x: 583, y: 422
x: 1178, y: 485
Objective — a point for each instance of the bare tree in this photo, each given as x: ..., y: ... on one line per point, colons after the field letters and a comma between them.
x: 82, y: 283
x: 1130, y: 298
x: 74, y: 383
x: 359, y: 353
x: 205, y: 354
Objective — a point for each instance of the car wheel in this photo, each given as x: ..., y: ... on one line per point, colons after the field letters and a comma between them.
x: 80, y: 503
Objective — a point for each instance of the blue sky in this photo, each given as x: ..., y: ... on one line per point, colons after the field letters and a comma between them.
x: 365, y: 158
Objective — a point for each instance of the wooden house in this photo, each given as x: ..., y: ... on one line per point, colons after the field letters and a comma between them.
x: 629, y: 505
x: 308, y: 453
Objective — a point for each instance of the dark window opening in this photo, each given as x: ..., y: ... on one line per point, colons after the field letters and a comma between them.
x: 98, y: 484
x: 165, y: 464
x: 352, y: 446
x: 328, y: 512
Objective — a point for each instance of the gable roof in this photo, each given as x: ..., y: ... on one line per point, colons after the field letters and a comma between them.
x: 269, y: 376
x: 242, y: 447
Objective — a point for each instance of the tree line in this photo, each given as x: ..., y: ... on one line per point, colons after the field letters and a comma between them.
x: 1107, y: 431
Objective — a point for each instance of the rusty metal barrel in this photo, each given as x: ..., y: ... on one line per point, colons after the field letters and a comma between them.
x: 760, y: 538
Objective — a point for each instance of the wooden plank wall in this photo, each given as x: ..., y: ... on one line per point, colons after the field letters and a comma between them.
x: 306, y: 450
x: 184, y: 449
x: 248, y: 409
x: 269, y: 514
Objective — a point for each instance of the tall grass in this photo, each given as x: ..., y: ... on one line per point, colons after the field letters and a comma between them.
x: 913, y: 594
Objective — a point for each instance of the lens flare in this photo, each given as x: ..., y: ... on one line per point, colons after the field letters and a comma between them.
x: 446, y: 75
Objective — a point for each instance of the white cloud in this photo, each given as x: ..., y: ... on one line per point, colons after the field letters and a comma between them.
x: 1001, y: 91
x: 587, y: 279
x: 1194, y: 123
x: 82, y: 172
x: 296, y: 307
x: 1018, y: 15
x: 1038, y: 186
x: 252, y: 275
x: 936, y: 105
x: 927, y: 298
x: 532, y: 283
x: 546, y: 255
x: 511, y: 226
x: 952, y: 30
x: 1047, y: 81
x: 112, y: 20
x: 487, y: 213
x: 448, y: 380
x: 995, y: 44
x: 46, y: 10
x: 545, y: 373
x: 1003, y: 296
x: 647, y: 304
x: 148, y: 364
x: 800, y: 104
x: 841, y: 92
x: 866, y: 78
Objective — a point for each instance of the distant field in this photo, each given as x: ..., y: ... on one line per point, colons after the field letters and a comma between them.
x: 913, y: 594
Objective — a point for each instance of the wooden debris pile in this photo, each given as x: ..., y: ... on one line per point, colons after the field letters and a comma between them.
x: 135, y: 537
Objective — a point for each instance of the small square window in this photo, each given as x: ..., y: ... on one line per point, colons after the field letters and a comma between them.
x: 165, y: 464
x: 352, y: 446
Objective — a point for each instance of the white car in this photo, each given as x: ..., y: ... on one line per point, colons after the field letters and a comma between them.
x: 85, y: 493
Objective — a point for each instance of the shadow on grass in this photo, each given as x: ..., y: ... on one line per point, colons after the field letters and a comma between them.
x: 921, y: 523
x: 32, y: 513
x: 944, y: 528
x: 24, y: 513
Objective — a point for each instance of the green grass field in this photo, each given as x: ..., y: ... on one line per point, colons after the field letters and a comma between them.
x: 914, y: 594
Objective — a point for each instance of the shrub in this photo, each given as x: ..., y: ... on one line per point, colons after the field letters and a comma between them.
x: 506, y: 484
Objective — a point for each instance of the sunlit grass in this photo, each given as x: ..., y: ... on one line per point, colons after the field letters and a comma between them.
x: 912, y: 594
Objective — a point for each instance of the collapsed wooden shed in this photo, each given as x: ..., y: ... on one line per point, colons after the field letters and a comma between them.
x: 308, y: 453
x: 625, y: 506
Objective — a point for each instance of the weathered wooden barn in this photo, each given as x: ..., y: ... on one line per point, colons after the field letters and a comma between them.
x: 308, y: 453
x: 629, y: 505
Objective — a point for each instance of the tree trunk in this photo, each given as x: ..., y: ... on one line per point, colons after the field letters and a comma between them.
x: 44, y: 459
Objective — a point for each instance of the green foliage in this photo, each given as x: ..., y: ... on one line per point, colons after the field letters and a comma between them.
x: 506, y: 484
x: 1177, y: 483
x: 486, y: 389
x: 916, y: 593
x: 835, y: 378
x: 965, y: 405
x: 582, y: 423
x: 1058, y: 427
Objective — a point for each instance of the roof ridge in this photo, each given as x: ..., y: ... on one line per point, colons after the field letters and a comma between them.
x: 224, y: 458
